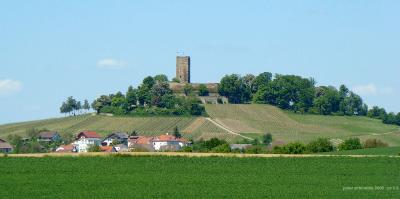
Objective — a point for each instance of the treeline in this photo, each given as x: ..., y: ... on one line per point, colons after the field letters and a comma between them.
x: 298, y: 94
x: 152, y: 97
x: 72, y: 106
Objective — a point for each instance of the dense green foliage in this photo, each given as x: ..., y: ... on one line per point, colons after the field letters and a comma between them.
x: 369, y: 151
x: 152, y: 97
x: 299, y: 94
x: 320, y: 145
x: 212, y: 177
x: 350, y: 144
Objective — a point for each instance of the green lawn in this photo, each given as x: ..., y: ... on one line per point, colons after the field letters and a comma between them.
x: 211, y: 177
x: 372, y: 151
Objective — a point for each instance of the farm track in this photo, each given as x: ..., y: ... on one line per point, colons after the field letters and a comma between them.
x: 177, y: 154
x: 226, y: 129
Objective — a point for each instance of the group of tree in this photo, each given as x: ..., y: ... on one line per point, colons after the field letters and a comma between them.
x: 299, y: 94
x: 152, y: 97
x: 291, y: 92
x: 31, y: 144
x: 72, y: 106
x: 387, y: 118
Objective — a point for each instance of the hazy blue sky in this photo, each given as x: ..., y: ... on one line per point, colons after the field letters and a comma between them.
x: 50, y: 50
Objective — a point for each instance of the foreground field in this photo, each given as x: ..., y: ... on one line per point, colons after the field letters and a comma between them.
x: 373, y: 151
x: 211, y: 177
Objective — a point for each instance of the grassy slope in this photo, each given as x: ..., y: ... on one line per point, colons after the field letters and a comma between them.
x: 192, y: 127
x: 212, y: 177
x: 250, y: 120
x: 253, y: 120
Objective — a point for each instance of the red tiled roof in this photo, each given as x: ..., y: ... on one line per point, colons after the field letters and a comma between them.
x: 47, y: 134
x: 64, y: 148
x: 88, y: 134
x: 168, y: 138
x: 106, y: 148
x: 143, y: 140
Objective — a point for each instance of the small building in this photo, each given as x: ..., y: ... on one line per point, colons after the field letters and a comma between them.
x: 47, y: 136
x: 65, y: 149
x: 85, y: 140
x: 120, y: 148
x: 5, y: 147
x: 168, y: 143
x: 240, y: 147
x: 140, y: 143
x: 119, y: 138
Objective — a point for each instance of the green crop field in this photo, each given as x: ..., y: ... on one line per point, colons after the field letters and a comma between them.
x: 372, y: 151
x: 206, y: 177
x: 254, y: 120
x: 248, y: 120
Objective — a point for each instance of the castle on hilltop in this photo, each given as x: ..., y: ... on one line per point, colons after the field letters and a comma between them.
x: 183, y: 78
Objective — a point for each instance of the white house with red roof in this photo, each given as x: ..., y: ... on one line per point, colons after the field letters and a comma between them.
x: 168, y: 143
x: 84, y: 140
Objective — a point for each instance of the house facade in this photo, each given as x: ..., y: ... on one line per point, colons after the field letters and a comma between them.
x: 5, y: 147
x: 85, y: 140
x: 120, y: 138
x: 168, y: 143
x: 49, y: 137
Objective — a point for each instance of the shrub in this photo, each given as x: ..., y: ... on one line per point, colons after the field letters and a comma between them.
x: 350, y: 144
x: 267, y: 139
x: 291, y: 148
x: 374, y: 143
x: 187, y: 149
x: 255, y: 150
x: 224, y: 148
x: 94, y: 148
x: 320, y: 145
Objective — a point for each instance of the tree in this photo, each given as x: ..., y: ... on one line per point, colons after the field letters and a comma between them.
x: 188, y: 89
x: 161, y: 78
x: 78, y: 106
x: 131, y: 98
x: 398, y: 119
x: 86, y: 105
x: 232, y: 87
x: 261, y: 81
x: 176, y: 80
x: 134, y: 133
x: 64, y: 108
x: 94, y: 148
x: 177, y: 134
x: 267, y: 139
x: 350, y: 144
x: 203, y: 90
x: 101, y: 102
x: 389, y: 118
x: 320, y: 145
x: 327, y: 100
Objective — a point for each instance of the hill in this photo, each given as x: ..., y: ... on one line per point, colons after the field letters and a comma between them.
x: 247, y: 120
x: 255, y: 120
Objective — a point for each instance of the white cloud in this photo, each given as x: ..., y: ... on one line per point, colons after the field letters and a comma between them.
x: 111, y: 64
x: 8, y: 86
x: 372, y: 89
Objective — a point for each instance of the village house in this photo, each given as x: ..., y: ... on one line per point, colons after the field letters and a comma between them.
x: 85, y: 140
x: 140, y: 143
x: 119, y: 138
x: 5, y: 147
x: 49, y: 137
x: 168, y: 143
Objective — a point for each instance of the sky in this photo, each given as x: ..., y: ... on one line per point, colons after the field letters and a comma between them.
x: 50, y: 50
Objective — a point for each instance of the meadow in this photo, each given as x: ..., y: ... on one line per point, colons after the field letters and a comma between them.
x: 205, y: 177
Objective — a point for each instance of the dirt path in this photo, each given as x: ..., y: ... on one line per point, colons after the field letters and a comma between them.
x: 133, y: 154
x: 226, y: 129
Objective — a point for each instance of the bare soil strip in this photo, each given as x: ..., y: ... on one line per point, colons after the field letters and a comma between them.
x: 226, y: 129
x: 133, y: 154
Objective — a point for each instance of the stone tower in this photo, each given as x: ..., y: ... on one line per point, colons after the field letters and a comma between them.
x: 183, y: 69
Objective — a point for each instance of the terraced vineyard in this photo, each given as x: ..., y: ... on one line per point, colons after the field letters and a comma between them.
x: 254, y: 120
x: 191, y: 127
